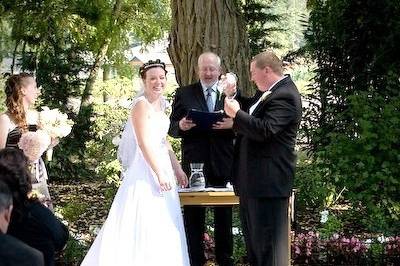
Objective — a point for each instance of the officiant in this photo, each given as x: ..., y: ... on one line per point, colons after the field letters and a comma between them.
x: 211, y: 146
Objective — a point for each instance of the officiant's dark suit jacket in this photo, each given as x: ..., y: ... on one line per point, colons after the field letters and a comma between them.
x: 264, y: 155
x: 212, y: 147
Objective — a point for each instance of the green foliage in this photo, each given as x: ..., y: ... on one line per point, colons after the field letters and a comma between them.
x: 100, y: 151
x: 175, y: 142
x: 311, y: 183
x: 367, y: 162
x: 275, y: 24
x: 98, y: 157
x: 116, y: 88
x: 2, y: 95
x: 259, y: 18
x: 352, y: 119
x: 301, y: 72
x: 109, y: 195
x: 5, y: 32
x: 176, y: 146
x: 239, y: 247
x: 59, y: 41
x: 332, y: 226
x: 74, y: 252
x: 73, y: 209
x: 376, y: 249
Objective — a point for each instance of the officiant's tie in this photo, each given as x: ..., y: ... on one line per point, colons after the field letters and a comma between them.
x: 209, y: 100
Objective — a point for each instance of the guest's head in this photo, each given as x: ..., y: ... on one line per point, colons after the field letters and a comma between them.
x: 21, y: 92
x: 153, y: 74
x: 6, y: 206
x: 15, y: 174
x: 265, y: 69
x: 209, y: 68
x: 16, y: 161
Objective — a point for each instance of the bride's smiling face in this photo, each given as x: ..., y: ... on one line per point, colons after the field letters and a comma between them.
x: 155, y: 81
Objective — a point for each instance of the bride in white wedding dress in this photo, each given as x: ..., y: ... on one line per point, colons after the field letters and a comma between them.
x: 144, y: 226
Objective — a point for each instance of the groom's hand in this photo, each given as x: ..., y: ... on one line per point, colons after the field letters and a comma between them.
x: 231, y: 107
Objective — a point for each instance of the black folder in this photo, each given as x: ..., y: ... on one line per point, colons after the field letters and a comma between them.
x: 205, y: 120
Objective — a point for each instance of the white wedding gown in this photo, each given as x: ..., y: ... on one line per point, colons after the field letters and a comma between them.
x: 144, y: 227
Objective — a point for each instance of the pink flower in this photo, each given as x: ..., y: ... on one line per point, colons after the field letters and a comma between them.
x: 33, y: 144
x: 297, y: 250
x: 206, y: 237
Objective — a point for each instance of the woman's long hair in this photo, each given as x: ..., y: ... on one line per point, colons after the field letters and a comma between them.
x: 14, y: 172
x: 14, y: 99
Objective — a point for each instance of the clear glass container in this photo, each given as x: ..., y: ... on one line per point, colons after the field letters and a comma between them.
x: 226, y: 80
x: 196, y: 179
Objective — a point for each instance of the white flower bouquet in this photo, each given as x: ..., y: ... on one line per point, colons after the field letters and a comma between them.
x: 56, y: 124
x: 34, y: 143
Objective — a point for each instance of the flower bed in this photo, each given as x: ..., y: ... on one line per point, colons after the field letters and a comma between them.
x: 309, y: 249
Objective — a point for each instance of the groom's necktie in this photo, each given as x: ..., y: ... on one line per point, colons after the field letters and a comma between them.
x: 209, y: 100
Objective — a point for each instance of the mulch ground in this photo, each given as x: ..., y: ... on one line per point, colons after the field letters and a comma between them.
x: 84, y: 205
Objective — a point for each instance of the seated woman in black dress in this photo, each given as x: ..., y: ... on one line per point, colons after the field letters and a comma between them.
x: 21, y: 94
x: 31, y: 222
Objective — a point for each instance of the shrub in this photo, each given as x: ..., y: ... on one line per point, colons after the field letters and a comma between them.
x: 306, y: 248
x: 346, y: 251
x: 352, y: 119
x: 74, y: 253
x: 311, y: 183
x: 332, y: 226
x: 392, y: 250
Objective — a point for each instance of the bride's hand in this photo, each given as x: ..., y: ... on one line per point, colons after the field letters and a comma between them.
x: 165, y: 185
x: 181, y: 177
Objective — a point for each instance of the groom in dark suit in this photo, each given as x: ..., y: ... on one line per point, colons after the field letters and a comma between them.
x: 214, y: 148
x: 265, y: 160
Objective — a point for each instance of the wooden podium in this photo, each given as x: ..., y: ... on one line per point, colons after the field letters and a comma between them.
x: 215, y: 198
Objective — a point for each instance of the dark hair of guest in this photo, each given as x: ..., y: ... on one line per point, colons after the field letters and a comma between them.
x: 5, y: 197
x: 15, y: 174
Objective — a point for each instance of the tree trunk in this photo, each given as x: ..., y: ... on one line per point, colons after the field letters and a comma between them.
x: 106, y: 76
x: 208, y: 25
x: 82, y: 125
x: 87, y: 92
x: 14, y: 55
x: 106, y: 72
x: 23, y: 55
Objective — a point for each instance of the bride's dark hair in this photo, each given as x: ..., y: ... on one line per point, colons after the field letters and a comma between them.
x: 150, y: 64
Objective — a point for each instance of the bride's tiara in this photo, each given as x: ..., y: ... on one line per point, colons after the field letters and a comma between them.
x: 151, y: 64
